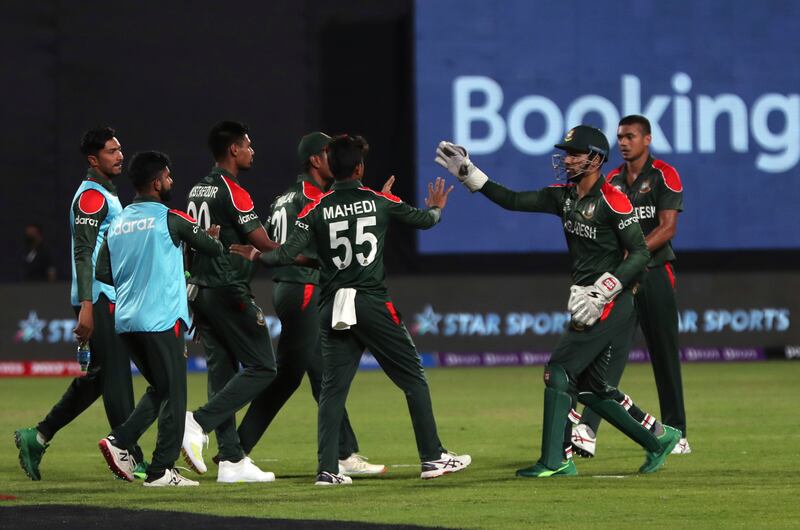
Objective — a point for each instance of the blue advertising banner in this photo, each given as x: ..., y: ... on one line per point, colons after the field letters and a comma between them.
x: 717, y: 80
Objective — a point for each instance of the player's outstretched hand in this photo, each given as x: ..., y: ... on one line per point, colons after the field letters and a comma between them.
x: 387, y: 186
x: 437, y: 194
x: 213, y: 231
x: 455, y: 159
x: 248, y: 252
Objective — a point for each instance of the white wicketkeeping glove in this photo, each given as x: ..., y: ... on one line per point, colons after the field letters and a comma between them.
x: 575, y: 293
x: 586, y: 303
x: 455, y: 159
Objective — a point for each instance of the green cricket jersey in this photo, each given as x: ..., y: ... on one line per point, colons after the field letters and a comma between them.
x: 348, y: 225
x: 658, y: 187
x: 218, y: 199
x: 283, y: 214
x: 599, y: 227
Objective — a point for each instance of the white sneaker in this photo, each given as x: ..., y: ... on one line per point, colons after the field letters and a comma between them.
x: 682, y: 447
x: 242, y: 471
x: 119, y: 461
x: 171, y: 477
x: 331, y: 479
x: 356, y: 464
x: 448, y: 463
x: 584, y: 441
x: 193, y: 441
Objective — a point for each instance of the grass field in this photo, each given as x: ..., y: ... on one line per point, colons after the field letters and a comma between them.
x: 743, y: 473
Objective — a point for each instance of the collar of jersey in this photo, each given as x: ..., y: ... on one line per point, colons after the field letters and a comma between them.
x: 139, y: 198
x: 346, y: 184
x: 305, y: 177
x: 646, y: 169
x: 104, y: 181
x: 595, y: 189
x: 216, y: 170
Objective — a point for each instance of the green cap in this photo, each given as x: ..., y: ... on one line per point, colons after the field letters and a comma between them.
x: 311, y: 144
x: 585, y: 139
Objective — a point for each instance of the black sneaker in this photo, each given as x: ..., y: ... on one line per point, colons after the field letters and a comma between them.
x: 331, y: 479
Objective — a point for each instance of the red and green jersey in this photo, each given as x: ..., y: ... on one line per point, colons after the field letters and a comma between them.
x: 599, y: 227
x: 218, y: 199
x: 348, y: 225
x: 283, y: 214
x: 658, y: 187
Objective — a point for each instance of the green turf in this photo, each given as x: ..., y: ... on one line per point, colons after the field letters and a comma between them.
x: 743, y: 472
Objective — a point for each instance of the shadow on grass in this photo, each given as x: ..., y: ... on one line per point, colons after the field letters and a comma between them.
x: 36, y: 517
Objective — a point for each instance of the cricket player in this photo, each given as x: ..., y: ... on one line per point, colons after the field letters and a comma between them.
x: 600, y: 226
x: 348, y: 224
x: 655, y: 190
x: 143, y: 258
x: 296, y: 301
x: 232, y: 327
x: 94, y: 207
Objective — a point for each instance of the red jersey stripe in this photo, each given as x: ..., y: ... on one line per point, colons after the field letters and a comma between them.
x: 310, y: 191
x: 617, y: 200
x: 241, y: 199
x: 308, y: 292
x: 185, y: 216
x: 393, y: 313
x: 389, y: 196
x: 670, y: 175
x: 607, y: 310
x: 670, y: 274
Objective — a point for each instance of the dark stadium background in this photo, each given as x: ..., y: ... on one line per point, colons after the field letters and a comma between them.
x: 162, y: 73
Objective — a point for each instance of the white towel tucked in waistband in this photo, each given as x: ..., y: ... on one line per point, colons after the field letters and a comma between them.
x: 344, y: 309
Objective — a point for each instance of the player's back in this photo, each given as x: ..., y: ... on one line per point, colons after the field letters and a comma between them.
x: 218, y: 199
x: 349, y: 225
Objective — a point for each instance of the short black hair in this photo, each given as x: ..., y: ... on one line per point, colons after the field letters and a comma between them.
x: 223, y: 135
x: 145, y: 167
x: 345, y: 153
x: 637, y: 119
x: 95, y: 139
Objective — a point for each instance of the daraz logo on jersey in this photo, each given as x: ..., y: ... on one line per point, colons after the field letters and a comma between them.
x: 482, y: 123
x: 127, y: 227
x: 247, y: 218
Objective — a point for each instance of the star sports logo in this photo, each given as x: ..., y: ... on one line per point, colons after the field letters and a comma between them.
x: 427, y: 322
x: 35, y: 329
x: 30, y: 329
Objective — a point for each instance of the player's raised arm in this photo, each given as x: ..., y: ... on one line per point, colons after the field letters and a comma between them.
x: 183, y: 228
x: 283, y: 254
x: 423, y: 218
x: 455, y: 159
